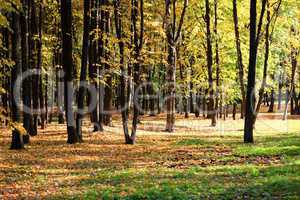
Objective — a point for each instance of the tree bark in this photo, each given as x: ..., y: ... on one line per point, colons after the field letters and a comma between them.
x: 211, y: 104
x: 264, y: 80
x: 172, y: 39
x: 280, y: 86
x: 83, y: 72
x: 123, y: 96
x: 93, y: 61
x: 66, y: 25
x: 217, y: 57
x: 108, y: 87
x: 40, y: 88
x: 250, y: 101
x: 34, y: 54
x: 239, y: 57
x: 138, y: 44
x: 17, y: 139
x: 271, y: 108
x: 27, y: 116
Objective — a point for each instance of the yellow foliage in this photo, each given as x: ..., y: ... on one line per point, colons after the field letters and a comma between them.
x: 19, y: 127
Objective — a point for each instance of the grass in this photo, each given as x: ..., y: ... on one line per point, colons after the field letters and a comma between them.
x: 195, y: 162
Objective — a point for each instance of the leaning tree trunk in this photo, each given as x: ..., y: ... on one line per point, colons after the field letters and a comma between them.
x: 239, y: 57
x: 264, y: 81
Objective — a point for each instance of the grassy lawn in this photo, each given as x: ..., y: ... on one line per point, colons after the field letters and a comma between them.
x: 195, y: 162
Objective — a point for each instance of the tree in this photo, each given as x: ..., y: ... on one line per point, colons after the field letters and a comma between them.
x: 67, y: 60
x: 123, y: 100
x: 39, y: 64
x: 239, y: 57
x: 268, y: 38
x: 211, y: 104
x: 93, y: 51
x: 17, y: 138
x: 218, y: 70
x: 83, y: 72
x: 137, y: 39
x: 34, y: 62
x: 27, y: 97
x: 254, y: 41
x: 248, y: 131
x: 173, y: 36
x: 108, y: 87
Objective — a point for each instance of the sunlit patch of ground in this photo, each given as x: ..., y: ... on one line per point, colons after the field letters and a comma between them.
x: 196, y: 161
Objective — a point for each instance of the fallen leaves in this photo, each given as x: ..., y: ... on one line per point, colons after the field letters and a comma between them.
x: 49, y: 166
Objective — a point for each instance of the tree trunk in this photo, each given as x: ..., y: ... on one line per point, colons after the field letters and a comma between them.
x: 27, y: 114
x: 93, y: 63
x: 123, y: 98
x: 250, y: 101
x: 198, y: 104
x: 171, y: 81
x: 280, y: 86
x: 234, y: 111
x: 271, y: 108
x: 239, y: 57
x: 264, y: 81
x: 83, y: 72
x: 66, y: 25
x: 41, y: 94
x: 217, y: 56
x: 17, y: 139
x: 108, y: 87
x: 151, y: 91
x: 138, y: 43
x: 6, y: 80
x: 204, y: 103
x: 172, y: 39
x: 293, y: 94
x: 211, y: 104
x: 60, y: 92
x: 46, y: 99
x: 34, y: 55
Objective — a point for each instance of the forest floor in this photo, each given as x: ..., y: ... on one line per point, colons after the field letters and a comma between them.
x: 195, y: 162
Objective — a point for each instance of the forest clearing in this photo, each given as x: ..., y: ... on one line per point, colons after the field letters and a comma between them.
x: 195, y: 162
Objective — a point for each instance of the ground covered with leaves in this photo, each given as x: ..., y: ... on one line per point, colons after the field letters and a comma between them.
x: 195, y: 162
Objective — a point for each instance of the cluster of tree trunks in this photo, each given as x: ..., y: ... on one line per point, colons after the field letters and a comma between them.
x: 26, y: 51
x: 24, y: 46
